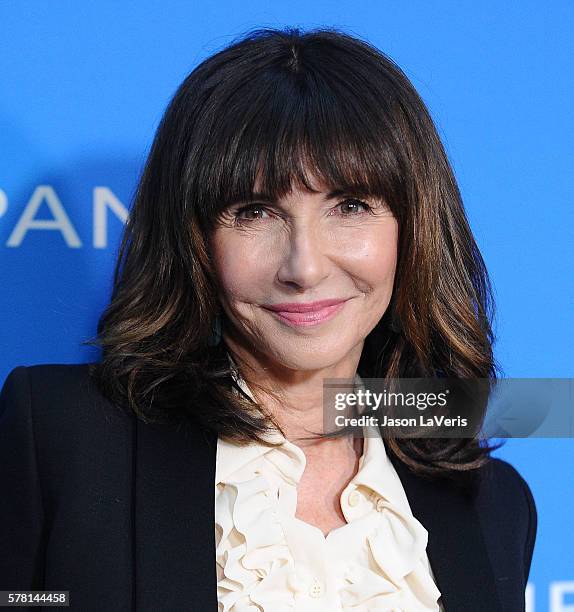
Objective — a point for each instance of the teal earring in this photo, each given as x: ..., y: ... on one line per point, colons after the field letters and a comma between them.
x: 215, y: 337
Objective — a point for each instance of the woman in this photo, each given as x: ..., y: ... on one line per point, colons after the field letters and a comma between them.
x: 297, y: 220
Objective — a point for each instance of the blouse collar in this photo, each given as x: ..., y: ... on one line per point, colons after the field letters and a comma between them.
x: 375, y: 468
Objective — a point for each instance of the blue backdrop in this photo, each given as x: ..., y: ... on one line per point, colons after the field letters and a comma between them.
x: 84, y: 85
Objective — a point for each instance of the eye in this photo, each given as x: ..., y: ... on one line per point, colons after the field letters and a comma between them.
x: 352, y: 207
x: 245, y: 212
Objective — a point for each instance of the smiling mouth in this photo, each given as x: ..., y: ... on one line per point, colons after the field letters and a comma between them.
x: 310, y: 318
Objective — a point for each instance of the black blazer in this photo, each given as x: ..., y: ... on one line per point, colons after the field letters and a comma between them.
x: 121, y: 513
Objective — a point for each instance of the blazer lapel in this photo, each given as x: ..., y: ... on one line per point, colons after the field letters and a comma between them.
x: 174, y: 533
x: 174, y: 517
x: 456, y: 548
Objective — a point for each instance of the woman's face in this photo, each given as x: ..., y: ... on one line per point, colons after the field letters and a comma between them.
x: 305, y: 248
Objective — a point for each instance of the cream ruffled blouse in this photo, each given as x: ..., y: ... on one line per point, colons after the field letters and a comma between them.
x: 269, y: 560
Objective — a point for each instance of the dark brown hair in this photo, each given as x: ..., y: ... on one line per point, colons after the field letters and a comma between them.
x: 283, y: 103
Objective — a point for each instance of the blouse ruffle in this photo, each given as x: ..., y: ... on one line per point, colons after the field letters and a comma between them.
x: 265, y: 555
x: 256, y: 565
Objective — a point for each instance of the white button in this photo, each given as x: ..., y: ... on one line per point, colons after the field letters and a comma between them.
x: 316, y: 589
x: 354, y: 498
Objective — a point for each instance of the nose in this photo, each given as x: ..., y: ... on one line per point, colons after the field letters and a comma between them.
x: 304, y: 263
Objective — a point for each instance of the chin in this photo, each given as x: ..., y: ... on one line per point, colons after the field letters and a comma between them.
x: 310, y: 354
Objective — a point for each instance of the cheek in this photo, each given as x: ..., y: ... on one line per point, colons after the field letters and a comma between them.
x: 372, y: 256
x: 238, y: 265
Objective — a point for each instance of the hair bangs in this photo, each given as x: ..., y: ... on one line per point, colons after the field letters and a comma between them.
x: 289, y: 130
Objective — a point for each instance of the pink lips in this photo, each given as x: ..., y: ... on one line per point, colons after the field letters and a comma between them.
x: 307, y: 314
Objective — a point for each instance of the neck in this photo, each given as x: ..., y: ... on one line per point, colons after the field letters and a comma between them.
x: 294, y: 396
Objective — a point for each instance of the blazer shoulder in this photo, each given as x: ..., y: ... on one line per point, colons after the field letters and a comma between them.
x: 503, y: 479
x: 62, y: 401
x: 506, y: 500
x: 49, y: 376
x: 52, y: 377
x: 60, y: 385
